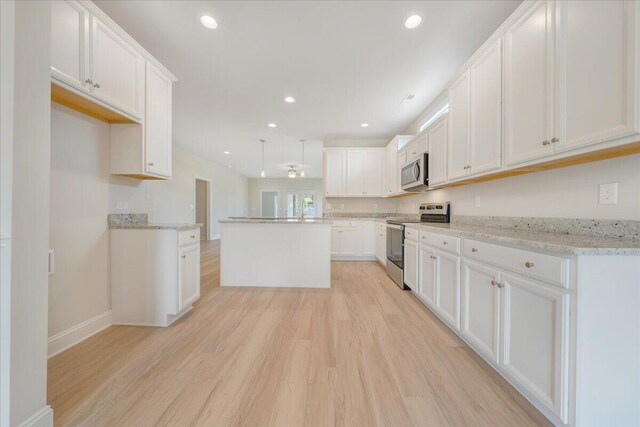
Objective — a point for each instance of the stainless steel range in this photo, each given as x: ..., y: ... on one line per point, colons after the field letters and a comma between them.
x: 429, y: 212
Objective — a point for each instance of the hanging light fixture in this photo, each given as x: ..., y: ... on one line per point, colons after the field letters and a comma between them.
x: 302, y: 164
x: 292, y: 172
x: 262, y: 172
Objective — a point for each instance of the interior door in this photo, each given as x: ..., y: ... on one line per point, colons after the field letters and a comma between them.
x: 427, y: 276
x: 189, y: 275
x: 438, y: 152
x: 534, y: 338
x: 334, y: 172
x: 70, y: 43
x: 355, y: 173
x: 117, y: 69
x: 481, y: 307
x: 486, y: 110
x: 157, y: 123
x: 458, y: 147
x: 528, y: 98
x: 373, y: 173
x: 596, y: 54
x: 448, y: 287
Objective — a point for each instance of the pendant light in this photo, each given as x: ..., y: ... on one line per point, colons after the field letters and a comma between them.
x: 262, y: 172
x: 292, y: 172
x: 302, y: 164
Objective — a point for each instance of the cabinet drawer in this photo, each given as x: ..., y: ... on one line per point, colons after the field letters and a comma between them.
x: 411, y: 233
x: 187, y: 237
x: 440, y: 241
x: 338, y: 224
x: 549, y: 268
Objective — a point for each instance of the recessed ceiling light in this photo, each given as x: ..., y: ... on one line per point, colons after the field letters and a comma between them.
x: 365, y: 125
x: 289, y: 99
x: 209, y: 22
x: 272, y: 125
x: 226, y: 152
x: 413, y: 21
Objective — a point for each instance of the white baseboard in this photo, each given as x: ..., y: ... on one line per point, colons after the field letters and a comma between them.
x: 42, y: 418
x: 216, y: 237
x: 80, y: 332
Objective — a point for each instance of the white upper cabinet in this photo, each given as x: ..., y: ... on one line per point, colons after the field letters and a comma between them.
x: 485, y: 116
x: 437, y: 136
x: 391, y: 173
x: 596, y: 45
x: 458, y: 147
x: 334, y: 172
x: 354, y: 172
x: 157, y: 123
x: 528, y: 100
x: 117, y: 70
x: 70, y: 43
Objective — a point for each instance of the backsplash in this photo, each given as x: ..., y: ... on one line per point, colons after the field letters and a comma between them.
x: 123, y: 219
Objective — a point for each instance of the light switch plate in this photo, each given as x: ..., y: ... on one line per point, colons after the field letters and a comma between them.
x: 609, y: 193
x: 477, y: 201
x: 122, y: 206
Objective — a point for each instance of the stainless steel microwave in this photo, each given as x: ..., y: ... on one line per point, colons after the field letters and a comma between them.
x: 414, y: 176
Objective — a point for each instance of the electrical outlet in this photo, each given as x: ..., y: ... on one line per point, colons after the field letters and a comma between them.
x: 609, y: 193
x: 341, y: 205
x: 328, y: 206
x: 122, y: 205
x: 375, y: 206
x: 477, y: 201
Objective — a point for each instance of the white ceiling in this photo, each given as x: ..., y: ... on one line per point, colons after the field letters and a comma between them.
x: 345, y: 63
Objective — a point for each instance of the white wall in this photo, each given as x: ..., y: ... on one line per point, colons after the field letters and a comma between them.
x: 281, y: 184
x: 356, y: 142
x: 83, y: 192
x: 30, y: 212
x: 570, y: 192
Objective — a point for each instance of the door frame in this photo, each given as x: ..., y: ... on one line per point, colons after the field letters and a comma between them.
x: 209, y: 202
x: 279, y: 199
x: 318, y: 212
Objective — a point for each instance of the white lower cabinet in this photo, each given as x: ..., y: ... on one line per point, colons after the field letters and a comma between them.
x: 427, y: 275
x: 353, y: 240
x: 448, y: 288
x: 380, y: 242
x: 410, y: 270
x: 188, y: 276
x: 481, y: 308
x: 535, y: 339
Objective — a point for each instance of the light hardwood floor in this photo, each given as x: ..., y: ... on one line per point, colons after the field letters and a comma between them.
x: 359, y: 354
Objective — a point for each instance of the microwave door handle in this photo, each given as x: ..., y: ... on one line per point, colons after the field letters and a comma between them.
x: 416, y: 171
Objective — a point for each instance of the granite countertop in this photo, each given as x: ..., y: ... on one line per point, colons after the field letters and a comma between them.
x: 157, y: 226
x: 236, y: 220
x: 560, y: 243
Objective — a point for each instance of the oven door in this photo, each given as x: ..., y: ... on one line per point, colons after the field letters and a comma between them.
x: 411, y: 174
x: 395, y: 245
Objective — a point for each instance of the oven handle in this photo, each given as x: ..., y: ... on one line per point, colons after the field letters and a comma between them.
x: 395, y: 227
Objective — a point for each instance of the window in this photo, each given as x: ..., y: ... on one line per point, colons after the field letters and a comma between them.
x: 269, y: 203
x: 435, y: 116
x: 300, y: 204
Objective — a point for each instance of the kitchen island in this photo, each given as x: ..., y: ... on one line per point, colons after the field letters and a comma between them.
x: 275, y: 252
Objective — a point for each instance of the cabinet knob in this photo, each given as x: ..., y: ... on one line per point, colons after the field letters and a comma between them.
x: 183, y: 256
x: 474, y: 250
x: 96, y: 86
x: 444, y: 242
x: 554, y: 139
x: 89, y: 81
x: 150, y: 163
x: 545, y: 142
x: 493, y: 283
x: 193, y: 237
x: 528, y: 264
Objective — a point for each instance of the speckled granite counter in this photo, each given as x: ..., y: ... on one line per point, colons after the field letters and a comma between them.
x: 276, y: 221
x: 560, y: 243
x: 140, y: 222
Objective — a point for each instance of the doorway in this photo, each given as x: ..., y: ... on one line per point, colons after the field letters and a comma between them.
x: 202, y: 210
x: 301, y: 204
x: 269, y: 206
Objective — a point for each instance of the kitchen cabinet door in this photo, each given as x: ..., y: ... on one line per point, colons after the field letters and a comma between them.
x: 373, y: 173
x: 458, y: 146
x: 351, y: 242
x: 336, y: 234
x: 70, y: 43
x: 448, y: 288
x: 596, y: 55
x: 382, y: 237
x: 334, y: 172
x: 189, y: 275
x: 391, y: 169
x: 157, y: 123
x: 486, y: 110
x: 427, y: 275
x: 535, y: 339
x: 117, y: 70
x: 528, y: 74
x: 355, y: 173
x: 410, y: 270
x: 437, y: 136
x: 480, y: 303
x: 367, y: 234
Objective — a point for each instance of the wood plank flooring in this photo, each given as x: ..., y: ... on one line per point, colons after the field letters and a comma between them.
x: 359, y: 354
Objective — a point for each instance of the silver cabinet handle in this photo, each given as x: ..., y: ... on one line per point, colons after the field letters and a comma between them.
x: 474, y: 250
x: 150, y: 163
x: 545, y: 142
x: 528, y: 264
x: 96, y: 85
x: 493, y: 283
x: 89, y: 81
x: 555, y: 139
